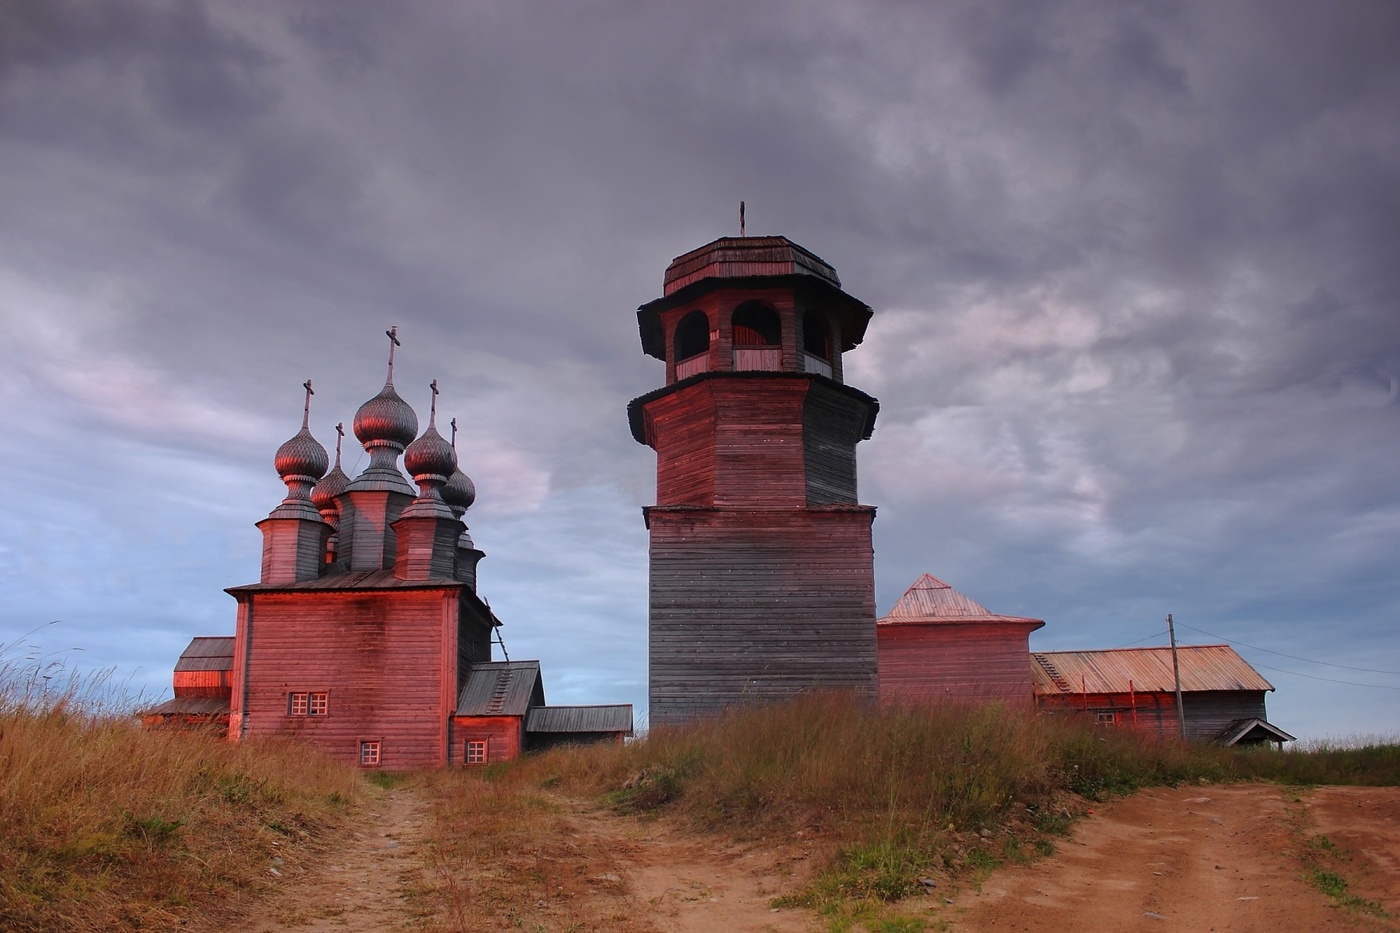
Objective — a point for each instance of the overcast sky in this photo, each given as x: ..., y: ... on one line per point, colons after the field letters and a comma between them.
x: 1135, y: 270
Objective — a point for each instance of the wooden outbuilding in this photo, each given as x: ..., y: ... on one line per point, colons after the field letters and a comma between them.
x: 762, y: 578
x: 1135, y: 688
x: 203, y: 683
x: 937, y: 645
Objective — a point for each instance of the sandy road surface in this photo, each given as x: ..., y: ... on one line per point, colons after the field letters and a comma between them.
x: 1200, y: 859
x: 364, y: 882
x: 1225, y: 859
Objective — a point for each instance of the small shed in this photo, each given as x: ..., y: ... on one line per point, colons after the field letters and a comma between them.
x: 501, y: 713
x: 1135, y: 688
x: 937, y: 645
x: 489, y: 724
x: 203, y: 685
x: 548, y: 726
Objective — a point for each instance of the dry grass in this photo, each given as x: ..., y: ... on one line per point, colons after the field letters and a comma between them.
x: 504, y: 855
x: 107, y: 826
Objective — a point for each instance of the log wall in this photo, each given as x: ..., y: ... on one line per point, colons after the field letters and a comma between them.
x: 964, y: 662
x: 757, y: 606
x: 387, y: 660
x: 503, y: 735
x: 1207, y: 713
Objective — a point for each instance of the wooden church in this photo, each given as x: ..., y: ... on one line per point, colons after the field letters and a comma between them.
x: 365, y: 635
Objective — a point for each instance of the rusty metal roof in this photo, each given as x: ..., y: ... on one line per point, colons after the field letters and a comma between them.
x: 931, y: 601
x: 501, y: 688
x: 1145, y: 670
x: 207, y: 653
x: 739, y: 257
x: 616, y: 718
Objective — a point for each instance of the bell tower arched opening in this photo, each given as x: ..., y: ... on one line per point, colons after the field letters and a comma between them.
x: 758, y: 337
x: 691, y: 347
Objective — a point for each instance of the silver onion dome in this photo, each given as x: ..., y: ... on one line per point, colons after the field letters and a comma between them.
x: 302, y: 455
x: 324, y: 493
x: 430, y: 455
x: 386, y: 417
x: 460, y: 491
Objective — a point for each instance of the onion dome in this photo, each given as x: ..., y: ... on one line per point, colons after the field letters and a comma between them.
x: 324, y: 493
x: 430, y: 455
x: 301, y: 461
x: 301, y: 456
x: 460, y: 491
x: 386, y: 418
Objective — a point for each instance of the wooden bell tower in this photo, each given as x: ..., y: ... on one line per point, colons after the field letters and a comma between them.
x: 762, y: 577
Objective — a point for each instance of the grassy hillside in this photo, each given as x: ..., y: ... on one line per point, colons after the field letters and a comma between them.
x: 105, y: 826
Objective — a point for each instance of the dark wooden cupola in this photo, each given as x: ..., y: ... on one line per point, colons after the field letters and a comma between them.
x: 762, y: 570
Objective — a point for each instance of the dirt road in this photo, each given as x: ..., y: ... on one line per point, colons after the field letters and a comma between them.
x: 1188, y: 859
x: 1200, y: 859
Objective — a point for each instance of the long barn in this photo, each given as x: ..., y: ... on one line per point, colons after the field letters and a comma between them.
x: 1135, y: 688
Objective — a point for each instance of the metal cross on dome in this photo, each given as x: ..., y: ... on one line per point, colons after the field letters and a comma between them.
x: 432, y: 410
x: 454, y: 433
x: 306, y: 408
x: 393, y: 335
x: 339, y: 436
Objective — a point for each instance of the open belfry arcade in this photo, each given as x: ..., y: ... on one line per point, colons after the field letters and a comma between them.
x: 365, y: 634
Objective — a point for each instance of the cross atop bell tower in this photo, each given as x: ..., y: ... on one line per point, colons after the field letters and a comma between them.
x: 762, y: 568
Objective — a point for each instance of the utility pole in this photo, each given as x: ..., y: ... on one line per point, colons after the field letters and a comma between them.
x: 1176, y: 671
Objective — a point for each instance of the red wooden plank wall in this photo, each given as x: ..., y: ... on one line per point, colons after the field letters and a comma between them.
x: 960, y: 662
x: 503, y: 735
x: 381, y: 657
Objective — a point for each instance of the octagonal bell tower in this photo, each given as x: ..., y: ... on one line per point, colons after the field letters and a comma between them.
x: 762, y: 580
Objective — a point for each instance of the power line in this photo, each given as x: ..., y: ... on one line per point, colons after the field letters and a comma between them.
x: 1349, y: 683
x: 1153, y: 636
x: 1364, y: 670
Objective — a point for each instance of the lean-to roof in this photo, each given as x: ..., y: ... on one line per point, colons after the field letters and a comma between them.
x: 615, y: 718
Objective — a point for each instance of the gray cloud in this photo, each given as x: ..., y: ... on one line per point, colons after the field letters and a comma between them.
x: 1136, y: 335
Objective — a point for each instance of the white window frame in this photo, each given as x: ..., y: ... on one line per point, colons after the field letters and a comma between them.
x: 371, y: 753
x: 477, y: 751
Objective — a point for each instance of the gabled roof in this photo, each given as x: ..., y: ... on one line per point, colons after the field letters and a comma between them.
x: 617, y: 718
x: 1252, y: 730
x: 931, y: 601
x: 1144, y: 670
x: 207, y: 653
x: 501, y: 688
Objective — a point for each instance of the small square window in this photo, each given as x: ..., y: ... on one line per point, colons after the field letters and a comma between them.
x: 476, y: 753
x: 320, y: 704
x: 369, y: 754
x: 296, y: 704
x: 1106, y: 718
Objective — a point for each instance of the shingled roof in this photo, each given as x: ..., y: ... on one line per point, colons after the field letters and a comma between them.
x: 585, y: 719
x: 501, y: 688
x: 207, y: 653
x: 931, y: 601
